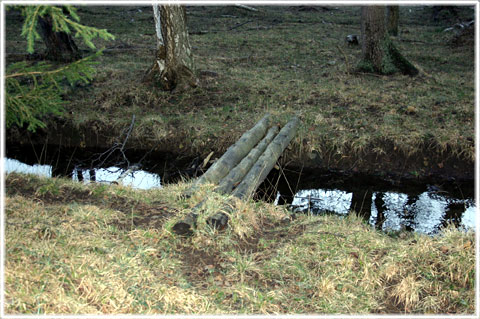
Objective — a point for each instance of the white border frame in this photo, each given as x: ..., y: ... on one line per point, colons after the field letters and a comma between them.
x: 229, y: 2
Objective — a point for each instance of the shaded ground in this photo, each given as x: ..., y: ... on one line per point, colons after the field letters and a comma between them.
x: 283, y: 60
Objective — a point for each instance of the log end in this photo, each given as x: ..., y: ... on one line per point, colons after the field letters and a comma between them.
x: 218, y: 221
x: 186, y: 226
x: 183, y: 229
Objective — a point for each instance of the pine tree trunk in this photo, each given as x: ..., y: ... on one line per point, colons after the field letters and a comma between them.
x: 379, y: 55
x: 174, y: 66
x: 393, y: 13
x: 60, y: 45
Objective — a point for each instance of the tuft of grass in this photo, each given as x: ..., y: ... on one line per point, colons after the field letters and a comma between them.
x: 96, y: 249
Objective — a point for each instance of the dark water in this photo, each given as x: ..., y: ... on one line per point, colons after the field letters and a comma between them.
x: 426, y: 212
x: 132, y: 176
x: 422, y: 207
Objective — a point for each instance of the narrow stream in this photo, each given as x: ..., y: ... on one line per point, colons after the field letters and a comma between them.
x: 426, y: 213
x: 426, y: 209
x: 134, y: 177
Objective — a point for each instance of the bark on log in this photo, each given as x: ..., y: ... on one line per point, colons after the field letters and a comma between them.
x: 259, y: 171
x: 235, y: 176
x: 232, y: 156
x: 265, y: 163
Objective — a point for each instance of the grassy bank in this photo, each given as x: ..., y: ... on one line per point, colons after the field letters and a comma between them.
x: 281, y: 60
x: 74, y: 248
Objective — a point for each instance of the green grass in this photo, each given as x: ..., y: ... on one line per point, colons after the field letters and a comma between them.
x: 284, y: 61
x: 88, y: 249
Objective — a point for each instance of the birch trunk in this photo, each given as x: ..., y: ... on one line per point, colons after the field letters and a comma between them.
x: 174, y: 66
x: 158, y: 25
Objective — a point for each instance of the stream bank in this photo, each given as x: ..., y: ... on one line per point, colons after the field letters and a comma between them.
x: 388, y: 201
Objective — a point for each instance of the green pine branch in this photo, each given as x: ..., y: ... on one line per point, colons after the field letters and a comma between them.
x: 60, y: 22
x: 33, y: 91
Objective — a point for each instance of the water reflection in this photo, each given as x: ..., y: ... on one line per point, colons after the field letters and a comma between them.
x: 133, y: 176
x: 425, y: 213
x: 12, y: 165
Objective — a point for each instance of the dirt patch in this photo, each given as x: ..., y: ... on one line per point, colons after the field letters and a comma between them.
x: 198, y: 265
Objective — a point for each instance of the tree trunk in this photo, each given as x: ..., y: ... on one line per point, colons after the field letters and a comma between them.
x: 174, y: 66
x: 379, y: 55
x: 265, y: 163
x: 158, y: 25
x: 251, y: 181
x: 233, y: 155
x: 60, y: 45
x: 393, y: 13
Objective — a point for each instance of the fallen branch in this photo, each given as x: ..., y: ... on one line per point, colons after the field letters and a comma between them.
x: 242, y: 6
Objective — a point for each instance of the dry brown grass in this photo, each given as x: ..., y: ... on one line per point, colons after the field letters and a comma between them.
x: 111, y: 252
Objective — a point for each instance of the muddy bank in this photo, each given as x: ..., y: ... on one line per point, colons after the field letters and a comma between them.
x: 392, y: 165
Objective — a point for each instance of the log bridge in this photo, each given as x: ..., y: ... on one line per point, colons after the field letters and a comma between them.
x: 240, y: 171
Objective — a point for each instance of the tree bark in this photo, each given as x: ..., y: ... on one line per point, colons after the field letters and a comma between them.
x: 393, y: 13
x: 251, y: 181
x: 235, y: 176
x: 258, y: 172
x: 174, y: 66
x: 60, y: 45
x: 233, y: 155
x: 379, y: 55
x: 158, y: 25
x: 265, y: 163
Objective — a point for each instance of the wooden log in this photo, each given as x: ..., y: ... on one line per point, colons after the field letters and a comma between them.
x: 266, y: 162
x: 236, y: 175
x: 185, y: 226
x: 259, y: 171
x: 233, y: 155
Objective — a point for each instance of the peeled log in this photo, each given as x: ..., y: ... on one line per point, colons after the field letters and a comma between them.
x: 259, y: 171
x: 233, y: 155
x: 265, y: 163
x: 235, y: 176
